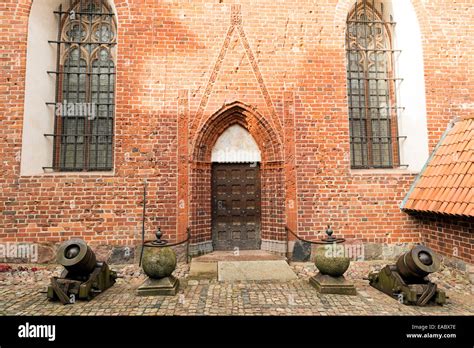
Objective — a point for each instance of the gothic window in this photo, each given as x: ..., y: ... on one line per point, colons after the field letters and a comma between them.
x: 85, y: 90
x: 371, y: 87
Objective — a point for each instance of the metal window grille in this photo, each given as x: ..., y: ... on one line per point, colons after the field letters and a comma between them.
x: 371, y: 85
x: 85, y: 87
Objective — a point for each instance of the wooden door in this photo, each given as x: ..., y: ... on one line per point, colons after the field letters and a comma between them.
x: 236, y: 205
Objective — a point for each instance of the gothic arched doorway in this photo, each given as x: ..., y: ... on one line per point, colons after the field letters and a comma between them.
x: 238, y: 150
x: 235, y: 192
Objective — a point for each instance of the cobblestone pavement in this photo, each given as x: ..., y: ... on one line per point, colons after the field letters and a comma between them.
x: 22, y: 293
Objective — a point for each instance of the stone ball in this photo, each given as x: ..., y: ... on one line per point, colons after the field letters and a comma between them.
x: 329, y: 263
x: 158, y: 263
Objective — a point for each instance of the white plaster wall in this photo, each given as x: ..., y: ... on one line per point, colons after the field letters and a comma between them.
x: 411, y: 92
x: 236, y: 145
x: 37, y: 150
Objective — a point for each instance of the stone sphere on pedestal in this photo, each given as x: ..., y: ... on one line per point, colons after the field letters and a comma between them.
x: 158, y: 263
x: 332, y: 263
x: 329, y: 263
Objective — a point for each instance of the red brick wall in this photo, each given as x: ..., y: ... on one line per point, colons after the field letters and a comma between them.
x: 450, y: 237
x: 166, y: 47
x: 448, y: 52
x: 13, y: 36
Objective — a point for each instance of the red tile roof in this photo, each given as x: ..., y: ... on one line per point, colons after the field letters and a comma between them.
x: 446, y: 184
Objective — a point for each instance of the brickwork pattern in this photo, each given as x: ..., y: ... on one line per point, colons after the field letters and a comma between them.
x: 453, y: 238
x: 262, y: 49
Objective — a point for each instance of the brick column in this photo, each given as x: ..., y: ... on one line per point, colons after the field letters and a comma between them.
x: 183, y: 164
x: 290, y: 162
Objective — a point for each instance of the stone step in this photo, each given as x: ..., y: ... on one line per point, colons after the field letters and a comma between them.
x: 245, y: 265
x: 202, y: 270
x: 278, y: 270
x: 242, y: 255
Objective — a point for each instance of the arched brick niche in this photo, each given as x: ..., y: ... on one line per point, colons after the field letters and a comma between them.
x: 272, y: 176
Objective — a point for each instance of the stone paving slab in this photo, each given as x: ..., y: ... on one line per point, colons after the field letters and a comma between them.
x: 20, y: 294
x: 203, y: 270
x: 242, y: 255
x: 231, y: 271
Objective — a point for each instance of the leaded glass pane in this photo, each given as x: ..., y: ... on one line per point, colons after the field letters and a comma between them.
x: 369, y: 87
x: 87, y: 72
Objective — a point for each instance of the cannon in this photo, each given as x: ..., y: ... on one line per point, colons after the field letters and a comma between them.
x: 407, y: 280
x: 83, y: 277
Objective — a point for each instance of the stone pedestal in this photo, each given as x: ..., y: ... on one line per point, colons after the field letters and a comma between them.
x: 167, y: 286
x: 158, y: 263
x: 326, y: 284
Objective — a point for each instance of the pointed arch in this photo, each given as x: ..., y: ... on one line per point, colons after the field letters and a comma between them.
x: 273, y: 232
x: 247, y: 117
x: 236, y: 145
x: 343, y: 7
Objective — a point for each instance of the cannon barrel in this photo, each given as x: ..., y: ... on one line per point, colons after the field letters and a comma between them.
x: 83, y: 277
x: 417, y: 263
x: 77, y: 257
x: 407, y: 280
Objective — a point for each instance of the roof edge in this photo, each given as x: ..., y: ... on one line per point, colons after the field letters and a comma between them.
x: 418, y: 177
x: 433, y: 212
